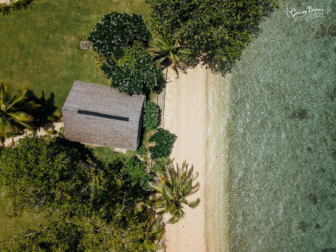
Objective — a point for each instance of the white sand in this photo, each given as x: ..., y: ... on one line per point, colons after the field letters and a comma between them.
x: 185, y: 116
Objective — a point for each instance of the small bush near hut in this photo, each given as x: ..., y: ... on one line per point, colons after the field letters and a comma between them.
x: 115, y: 32
x: 164, y: 142
x: 151, y: 115
x: 134, y: 72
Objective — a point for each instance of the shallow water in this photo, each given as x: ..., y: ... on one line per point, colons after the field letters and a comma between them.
x: 271, y: 181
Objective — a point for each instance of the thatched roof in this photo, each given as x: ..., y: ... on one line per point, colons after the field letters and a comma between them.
x: 98, y: 115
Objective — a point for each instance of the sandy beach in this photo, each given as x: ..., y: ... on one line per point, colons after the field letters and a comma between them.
x: 185, y: 115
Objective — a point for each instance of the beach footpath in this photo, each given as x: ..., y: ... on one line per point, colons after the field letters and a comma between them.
x: 185, y: 116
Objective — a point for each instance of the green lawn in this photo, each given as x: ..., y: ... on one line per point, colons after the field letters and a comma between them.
x: 40, y: 48
x: 107, y: 154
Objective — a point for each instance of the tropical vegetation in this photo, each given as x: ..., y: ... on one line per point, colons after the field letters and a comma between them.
x: 210, y: 28
x: 134, y: 73
x: 97, y: 206
x: 173, y: 187
x: 164, y: 141
x: 120, y: 40
x: 165, y: 47
x: 151, y: 115
x: 14, y: 111
x: 115, y: 32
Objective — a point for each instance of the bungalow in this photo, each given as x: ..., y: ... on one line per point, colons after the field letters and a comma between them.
x: 98, y: 115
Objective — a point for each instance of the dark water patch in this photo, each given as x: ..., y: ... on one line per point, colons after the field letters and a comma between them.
x: 313, y: 199
x: 332, y: 30
x: 321, y: 32
x: 303, y: 226
x: 299, y: 114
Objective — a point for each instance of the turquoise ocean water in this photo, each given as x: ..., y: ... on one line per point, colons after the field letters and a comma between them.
x: 271, y: 172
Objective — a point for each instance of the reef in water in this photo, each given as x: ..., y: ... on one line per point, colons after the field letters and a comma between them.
x: 299, y: 114
x: 313, y: 199
x: 303, y: 226
x: 321, y: 32
x: 332, y: 30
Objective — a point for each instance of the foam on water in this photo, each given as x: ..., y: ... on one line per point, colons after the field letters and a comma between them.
x: 271, y: 183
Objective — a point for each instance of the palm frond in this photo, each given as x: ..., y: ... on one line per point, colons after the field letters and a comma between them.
x: 194, y: 204
x: 19, y: 98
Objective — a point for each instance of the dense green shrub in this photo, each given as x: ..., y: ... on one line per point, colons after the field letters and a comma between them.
x: 39, y: 174
x: 98, y: 208
x: 134, y: 72
x: 220, y: 29
x: 151, y: 115
x: 164, y: 142
x: 115, y: 32
x: 144, y: 183
x: 15, y: 6
x: 134, y: 169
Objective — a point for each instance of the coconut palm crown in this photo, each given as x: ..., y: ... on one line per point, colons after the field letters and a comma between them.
x: 173, y: 187
x: 165, y: 47
x: 14, y: 109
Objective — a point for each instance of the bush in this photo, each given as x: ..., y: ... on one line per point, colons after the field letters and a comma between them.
x: 144, y: 183
x: 151, y: 115
x: 115, y: 32
x: 15, y: 6
x: 134, y: 169
x: 164, y: 142
x: 134, y: 72
x: 220, y: 29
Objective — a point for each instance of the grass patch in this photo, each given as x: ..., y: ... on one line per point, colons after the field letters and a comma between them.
x: 108, y: 154
x: 40, y: 48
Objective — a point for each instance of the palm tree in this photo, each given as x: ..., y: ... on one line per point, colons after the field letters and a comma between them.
x: 173, y: 188
x: 165, y: 47
x: 13, y: 111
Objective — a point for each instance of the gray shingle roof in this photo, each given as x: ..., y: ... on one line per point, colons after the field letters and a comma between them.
x: 100, y: 129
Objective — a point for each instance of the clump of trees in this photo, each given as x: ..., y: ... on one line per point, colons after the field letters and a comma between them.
x: 135, y: 72
x: 209, y: 28
x: 99, y: 205
x: 120, y: 39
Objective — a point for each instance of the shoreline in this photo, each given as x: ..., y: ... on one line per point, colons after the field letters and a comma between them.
x: 186, y: 116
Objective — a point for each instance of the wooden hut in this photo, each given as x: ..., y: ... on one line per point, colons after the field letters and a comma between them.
x: 98, y: 115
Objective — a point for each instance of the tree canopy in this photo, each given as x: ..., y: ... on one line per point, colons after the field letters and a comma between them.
x: 135, y: 72
x: 98, y: 205
x: 210, y: 28
x: 115, y: 32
